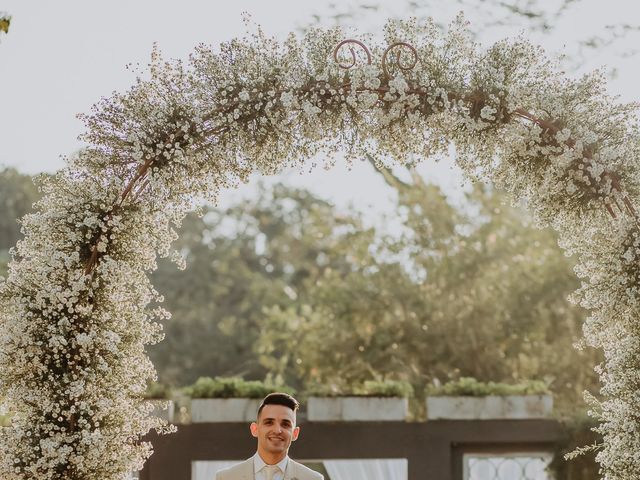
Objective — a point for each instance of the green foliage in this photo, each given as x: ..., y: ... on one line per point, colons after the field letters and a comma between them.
x: 158, y: 391
x: 470, y: 387
x: 5, y: 419
x: 577, y: 431
x: 17, y: 196
x: 390, y: 388
x: 287, y: 284
x: 233, y: 387
x: 467, y: 290
x: 368, y: 388
x: 262, y: 254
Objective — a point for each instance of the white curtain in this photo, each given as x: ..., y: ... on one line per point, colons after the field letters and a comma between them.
x: 387, y: 469
x: 202, y: 470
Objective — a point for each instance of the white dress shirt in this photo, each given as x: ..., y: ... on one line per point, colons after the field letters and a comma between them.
x: 259, y: 470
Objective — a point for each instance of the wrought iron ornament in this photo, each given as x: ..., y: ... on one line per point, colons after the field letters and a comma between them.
x: 354, y: 58
x: 392, y: 62
x: 397, y: 61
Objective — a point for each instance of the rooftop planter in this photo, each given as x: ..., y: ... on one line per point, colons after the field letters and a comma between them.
x: 371, y: 401
x: 469, y: 399
x: 228, y: 399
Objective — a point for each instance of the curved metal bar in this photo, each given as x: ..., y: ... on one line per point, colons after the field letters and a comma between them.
x: 398, y: 60
x: 354, y: 59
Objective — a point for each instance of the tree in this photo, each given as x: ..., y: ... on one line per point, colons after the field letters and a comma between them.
x: 289, y: 285
x: 240, y: 261
x: 286, y: 284
x: 474, y: 291
x: 17, y: 194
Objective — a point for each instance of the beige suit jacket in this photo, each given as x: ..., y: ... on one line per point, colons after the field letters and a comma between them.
x: 244, y: 471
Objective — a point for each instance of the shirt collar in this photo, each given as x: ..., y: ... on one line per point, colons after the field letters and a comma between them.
x: 258, y: 463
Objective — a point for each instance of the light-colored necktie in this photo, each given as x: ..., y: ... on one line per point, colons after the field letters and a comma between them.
x: 271, y: 471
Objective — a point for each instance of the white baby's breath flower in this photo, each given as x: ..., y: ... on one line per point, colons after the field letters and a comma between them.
x: 79, y: 282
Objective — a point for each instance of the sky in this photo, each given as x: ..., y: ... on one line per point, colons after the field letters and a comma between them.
x: 61, y: 57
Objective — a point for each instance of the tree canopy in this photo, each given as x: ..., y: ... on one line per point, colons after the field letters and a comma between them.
x: 17, y: 195
x: 286, y: 284
x: 473, y: 290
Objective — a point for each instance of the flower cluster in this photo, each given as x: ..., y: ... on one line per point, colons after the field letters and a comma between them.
x: 76, y: 307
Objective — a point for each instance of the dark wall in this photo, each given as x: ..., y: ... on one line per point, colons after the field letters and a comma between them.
x: 434, y: 449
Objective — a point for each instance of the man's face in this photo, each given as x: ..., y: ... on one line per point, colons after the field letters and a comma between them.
x: 275, y: 429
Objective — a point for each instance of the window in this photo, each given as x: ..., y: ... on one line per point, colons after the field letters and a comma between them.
x: 510, y: 466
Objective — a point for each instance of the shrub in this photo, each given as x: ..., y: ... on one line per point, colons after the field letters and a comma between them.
x: 233, y: 387
x: 470, y: 387
x: 369, y: 388
x: 157, y: 391
x: 389, y: 388
x: 577, y: 431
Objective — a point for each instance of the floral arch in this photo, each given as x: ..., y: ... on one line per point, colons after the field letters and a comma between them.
x: 76, y: 311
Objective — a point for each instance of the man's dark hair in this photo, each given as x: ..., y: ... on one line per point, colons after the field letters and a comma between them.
x: 279, y: 398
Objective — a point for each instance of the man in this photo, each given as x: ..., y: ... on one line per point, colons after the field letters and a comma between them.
x: 275, y: 429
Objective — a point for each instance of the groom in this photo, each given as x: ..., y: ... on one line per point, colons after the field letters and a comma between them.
x: 275, y: 429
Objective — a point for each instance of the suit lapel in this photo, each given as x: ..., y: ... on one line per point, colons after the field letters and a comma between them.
x: 289, y: 473
x: 247, y: 470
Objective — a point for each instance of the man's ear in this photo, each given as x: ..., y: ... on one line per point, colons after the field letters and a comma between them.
x: 295, y: 433
x: 254, y: 429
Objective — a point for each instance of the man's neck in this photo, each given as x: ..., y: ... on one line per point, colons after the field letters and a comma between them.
x: 271, y: 459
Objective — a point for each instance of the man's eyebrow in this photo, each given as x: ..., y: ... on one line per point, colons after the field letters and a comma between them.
x: 284, y: 420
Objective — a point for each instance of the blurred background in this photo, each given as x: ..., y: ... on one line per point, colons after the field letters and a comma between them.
x: 323, y: 279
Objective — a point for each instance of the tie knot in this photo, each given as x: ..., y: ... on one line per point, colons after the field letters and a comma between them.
x: 271, y: 471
